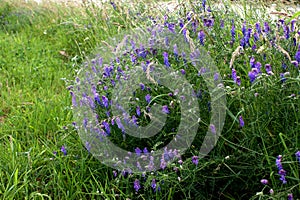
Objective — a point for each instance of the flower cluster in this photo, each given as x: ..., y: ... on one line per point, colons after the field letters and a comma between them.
x: 281, y: 171
x: 254, y: 38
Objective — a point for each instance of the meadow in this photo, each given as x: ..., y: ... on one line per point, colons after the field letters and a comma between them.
x: 44, y: 48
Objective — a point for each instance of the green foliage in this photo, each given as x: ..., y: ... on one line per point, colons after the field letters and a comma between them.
x: 43, y: 47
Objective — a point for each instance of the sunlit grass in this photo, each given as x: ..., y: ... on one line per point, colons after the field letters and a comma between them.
x: 41, y: 50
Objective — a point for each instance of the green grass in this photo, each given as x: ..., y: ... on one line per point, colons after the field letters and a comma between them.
x: 41, y: 51
x: 35, y: 104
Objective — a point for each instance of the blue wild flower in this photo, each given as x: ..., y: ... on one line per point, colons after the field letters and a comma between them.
x: 253, y: 74
x: 264, y: 181
x: 204, y: 4
x: 138, y: 111
x: 290, y: 196
x: 138, y: 151
x: 286, y: 30
x: 293, y: 25
x: 136, y: 185
x: 233, y: 75
x: 63, y: 150
x: 266, y: 28
x: 281, y: 171
x: 257, y: 27
x: 268, y: 68
x: 153, y: 184
x: 195, y: 160
x: 212, y: 128
x: 258, y: 66
x: 201, y: 37
x: 252, y: 62
x: 222, y: 24
x: 166, y: 59
x: 175, y: 51
x: 233, y: 33
x: 241, y: 121
x: 165, y: 109
x: 148, y: 98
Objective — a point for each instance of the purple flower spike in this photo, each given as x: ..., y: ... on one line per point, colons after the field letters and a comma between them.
x: 153, y: 184
x: 244, y: 29
x: 294, y: 41
x: 138, y: 151
x: 163, y: 163
x: 181, y: 24
x: 165, y: 109
x: 167, y: 42
x: 293, y: 25
x: 113, y: 5
x: 182, y: 71
x: 64, y: 150
x: 148, y: 98
x: 201, y: 37
x: 133, y: 58
x: 278, y: 162
x: 134, y: 120
x: 252, y: 62
x: 195, y: 160
x: 184, y: 34
x: 282, y: 174
x: 283, y: 65
x: 115, y: 173
x: 171, y: 27
x: 142, y: 86
x: 175, y: 51
x: 266, y: 28
x: 290, y: 197
x: 256, y: 37
x: 257, y: 27
x: 222, y: 24
x: 105, y: 101
x: 106, y: 126
x: 268, y: 68
x: 252, y: 75
x: 258, y: 66
x: 264, y: 181
x: 233, y: 75
x: 88, y: 146
x: 248, y: 35
x: 74, y: 103
x: 282, y: 77
x: 120, y: 125
x: 216, y: 76
x: 204, y: 4
x: 213, y: 128
x: 281, y: 171
x: 166, y: 60
x: 243, y: 42
x: 208, y: 22
x: 238, y: 80
x: 241, y: 121
x: 138, y: 111
x: 136, y: 185
x: 145, y: 151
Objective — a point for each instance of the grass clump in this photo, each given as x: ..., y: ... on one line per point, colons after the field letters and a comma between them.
x: 44, y: 47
